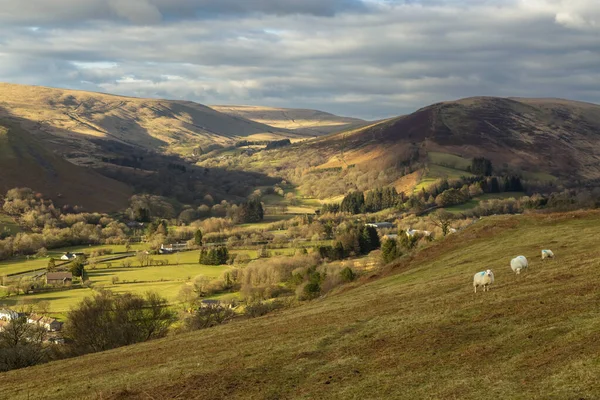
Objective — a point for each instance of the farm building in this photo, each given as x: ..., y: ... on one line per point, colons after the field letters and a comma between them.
x: 381, y: 225
x: 59, y: 278
x: 49, y: 324
x: 68, y: 256
x: 8, y: 315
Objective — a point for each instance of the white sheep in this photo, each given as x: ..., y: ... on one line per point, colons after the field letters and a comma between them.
x: 518, y: 263
x: 547, y: 254
x: 483, y: 279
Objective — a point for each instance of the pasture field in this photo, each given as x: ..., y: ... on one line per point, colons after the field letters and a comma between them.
x: 435, y: 172
x: 415, y: 330
x: 21, y: 264
x: 472, y: 203
x: 448, y: 160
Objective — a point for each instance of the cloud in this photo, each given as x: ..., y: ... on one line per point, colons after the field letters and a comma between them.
x: 389, y: 59
x: 77, y: 12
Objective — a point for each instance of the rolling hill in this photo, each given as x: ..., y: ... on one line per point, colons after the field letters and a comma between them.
x: 546, y: 141
x: 302, y: 121
x: 25, y: 162
x: 557, y: 137
x: 415, y: 332
x: 68, y: 119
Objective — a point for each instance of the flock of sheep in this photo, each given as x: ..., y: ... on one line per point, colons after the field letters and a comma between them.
x: 485, y: 278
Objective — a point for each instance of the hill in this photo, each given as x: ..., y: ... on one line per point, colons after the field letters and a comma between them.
x: 25, y: 162
x: 546, y: 141
x: 417, y: 332
x: 302, y: 121
x: 69, y: 119
x: 553, y: 136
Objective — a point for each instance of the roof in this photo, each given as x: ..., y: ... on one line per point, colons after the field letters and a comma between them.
x: 209, y: 301
x: 380, y: 224
x: 58, y: 276
x: 41, y: 319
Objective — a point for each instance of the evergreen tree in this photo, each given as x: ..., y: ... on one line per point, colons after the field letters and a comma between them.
x: 198, y: 237
x: 390, y: 251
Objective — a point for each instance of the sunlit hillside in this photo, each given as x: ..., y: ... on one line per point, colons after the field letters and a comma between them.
x: 414, y: 330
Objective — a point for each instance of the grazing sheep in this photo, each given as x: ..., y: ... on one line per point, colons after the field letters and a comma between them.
x: 547, y: 254
x: 483, y: 279
x: 518, y: 263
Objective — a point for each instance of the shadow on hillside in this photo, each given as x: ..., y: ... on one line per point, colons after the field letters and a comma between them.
x: 143, y: 170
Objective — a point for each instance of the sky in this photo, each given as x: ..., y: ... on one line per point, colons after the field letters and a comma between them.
x: 363, y: 58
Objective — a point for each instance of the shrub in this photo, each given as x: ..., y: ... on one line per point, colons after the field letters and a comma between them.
x: 347, y: 274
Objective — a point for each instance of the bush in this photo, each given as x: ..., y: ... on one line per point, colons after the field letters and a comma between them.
x: 209, y: 316
x: 258, y: 309
x: 347, y: 274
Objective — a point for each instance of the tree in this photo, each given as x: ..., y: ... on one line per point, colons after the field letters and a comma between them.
x: 481, y: 166
x: 21, y: 345
x: 51, y: 264
x: 77, y: 266
x: 443, y: 219
x: 108, y: 320
x: 198, y: 237
x: 390, y: 251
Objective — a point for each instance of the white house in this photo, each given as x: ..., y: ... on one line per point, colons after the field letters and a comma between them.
x: 68, y: 256
x: 8, y: 315
x: 49, y: 324
x: 412, y: 232
x: 381, y: 225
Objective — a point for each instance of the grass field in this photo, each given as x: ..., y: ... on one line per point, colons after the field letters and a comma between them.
x: 417, y: 333
x: 448, y: 160
x: 435, y: 172
x: 471, y: 204
x: 22, y: 263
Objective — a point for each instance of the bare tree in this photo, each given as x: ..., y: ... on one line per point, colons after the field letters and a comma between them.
x: 443, y: 219
x: 21, y: 345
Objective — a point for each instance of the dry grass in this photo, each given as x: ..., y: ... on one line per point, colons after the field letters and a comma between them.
x: 308, y: 122
x: 417, y: 333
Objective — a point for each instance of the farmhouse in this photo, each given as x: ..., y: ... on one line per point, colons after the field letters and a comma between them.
x: 8, y: 315
x: 59, y: 278
x: 172, y: 248
x: 68, y: 256
x: 381, y: 225
x: 412, y: 232
x: 49, y: 324
x: 391, y: 236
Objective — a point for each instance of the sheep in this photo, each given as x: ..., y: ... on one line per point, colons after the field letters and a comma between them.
x: 547, y: 254
x: 483, y: 279
x: 518, y: 263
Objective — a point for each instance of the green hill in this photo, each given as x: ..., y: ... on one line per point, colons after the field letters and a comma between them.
x: 416, y: 331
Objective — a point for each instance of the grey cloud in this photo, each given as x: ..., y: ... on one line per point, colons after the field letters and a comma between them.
x: 78, y: 12
x: 387, y: 62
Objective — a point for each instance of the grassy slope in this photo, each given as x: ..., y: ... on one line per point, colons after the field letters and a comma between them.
x: 147, y: 123
x: 420, y: 333
x: 26, y: 162
x: 310, y: 122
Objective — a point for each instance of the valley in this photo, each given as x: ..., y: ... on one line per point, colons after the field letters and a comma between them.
x: 328, y: 263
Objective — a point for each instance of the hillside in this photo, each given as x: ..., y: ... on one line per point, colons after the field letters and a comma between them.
x: 417, y: 332
x: 545, y: 141
x: 25, y: 162
x: 557, y: 137
x: 68, y: 119
x: 302, y: 121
